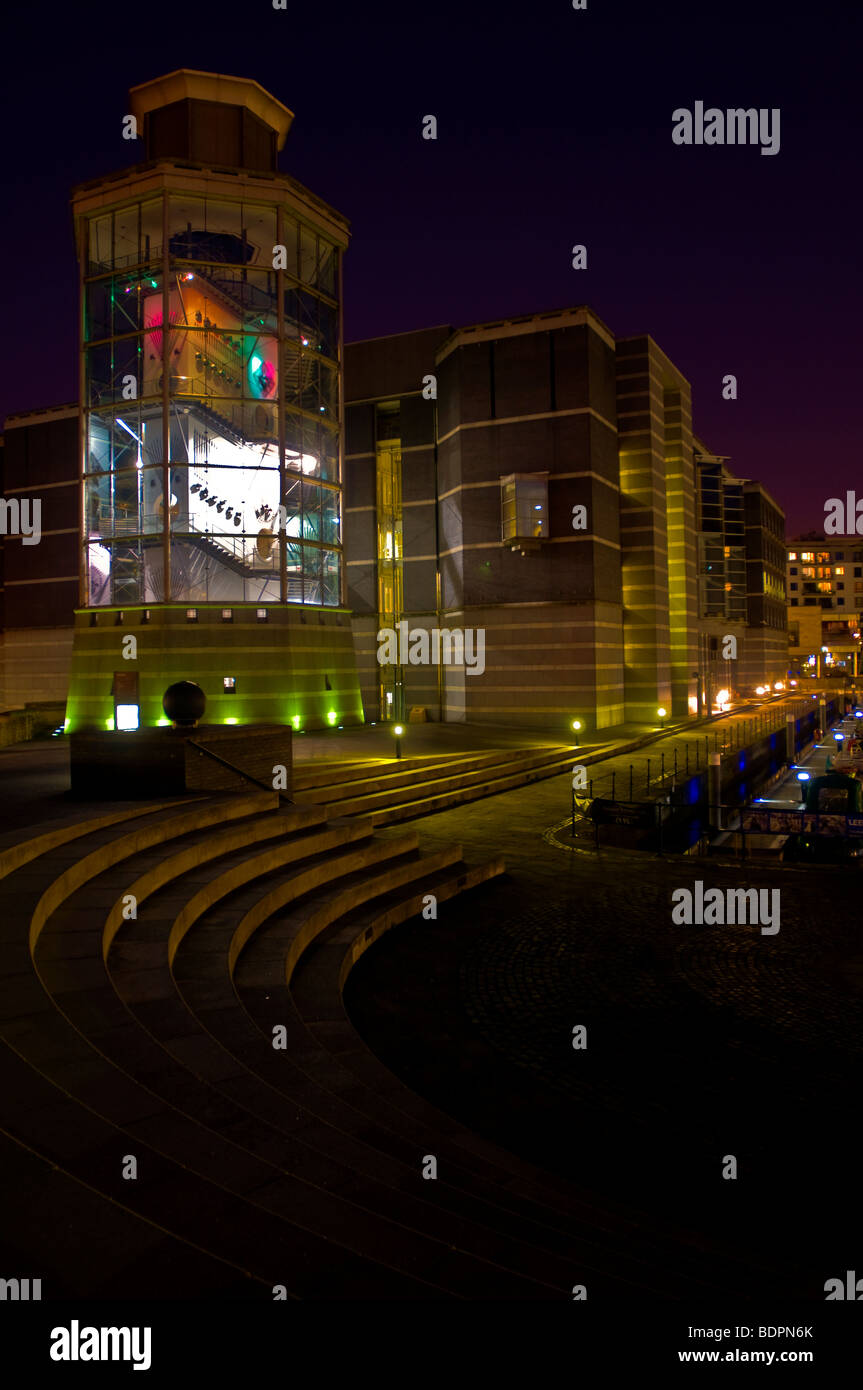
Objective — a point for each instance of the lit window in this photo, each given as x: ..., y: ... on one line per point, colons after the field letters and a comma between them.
x: 807, y: 555
x: 840, y: 569
x: 227, y: 615
x: 229, y: 685
x: 261, y: 615
x: 792, y: 554
x: 524, y: 506
x: 191, y: 615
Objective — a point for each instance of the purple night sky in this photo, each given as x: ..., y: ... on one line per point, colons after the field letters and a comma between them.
x: 554, y: 129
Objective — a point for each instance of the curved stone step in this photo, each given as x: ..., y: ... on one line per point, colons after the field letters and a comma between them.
x: 131, y: 1253
x: 541, y: 1202
x: 44, y: 1053
x: 317, y: 989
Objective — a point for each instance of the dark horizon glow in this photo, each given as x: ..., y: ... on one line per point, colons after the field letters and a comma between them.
x: 554, y: 129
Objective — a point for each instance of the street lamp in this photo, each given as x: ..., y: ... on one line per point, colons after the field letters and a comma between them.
x: 398, y: 731
x: 662, y: 712
x: 576, y: 727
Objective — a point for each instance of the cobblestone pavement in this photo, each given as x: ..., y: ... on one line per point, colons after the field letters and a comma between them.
x: 702, y: 1041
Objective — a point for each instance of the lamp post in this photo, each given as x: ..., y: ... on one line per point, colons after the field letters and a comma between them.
x: 576, y: 727
x: 398, y: 730
x: 663, y: 713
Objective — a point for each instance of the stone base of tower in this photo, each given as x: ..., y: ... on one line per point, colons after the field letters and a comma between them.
x: 256, y: 666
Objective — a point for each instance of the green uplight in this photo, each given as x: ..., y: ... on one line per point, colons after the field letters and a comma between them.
x: 296, y: 721
x: 232, y: 721
x: 109, y: 723
x: 66, y: 724
x: 332, y: 716
x: 163, y: 723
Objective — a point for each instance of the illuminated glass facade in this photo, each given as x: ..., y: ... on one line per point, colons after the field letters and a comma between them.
x: 210, y: 390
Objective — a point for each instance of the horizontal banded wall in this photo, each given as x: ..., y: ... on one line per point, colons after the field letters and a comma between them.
x: 295, y: 667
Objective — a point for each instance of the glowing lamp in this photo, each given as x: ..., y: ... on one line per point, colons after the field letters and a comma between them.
x: 127, y: 717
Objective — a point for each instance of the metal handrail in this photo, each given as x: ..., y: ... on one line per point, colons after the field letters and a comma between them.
x: 265, y: 786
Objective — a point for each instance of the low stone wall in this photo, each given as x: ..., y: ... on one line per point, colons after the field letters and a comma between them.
x: 164, y: 762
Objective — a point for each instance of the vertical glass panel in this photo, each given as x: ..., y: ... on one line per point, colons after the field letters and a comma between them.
x: 151, y: 230
x: 187, y: 224
x: 312, y: 567
x: 98, y: 309
x: 225, y: 226
x: 330, y: 578
x: 126, y: 236
x: 260, y: 232
x: 328, y: 268
x: 291, y: 243
x: 100, y: 255
x: 308, y: 256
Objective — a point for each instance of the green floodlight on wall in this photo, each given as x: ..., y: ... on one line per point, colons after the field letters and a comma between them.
x: 231, y: 721
x: 296, y: 721
x: 332, y: 717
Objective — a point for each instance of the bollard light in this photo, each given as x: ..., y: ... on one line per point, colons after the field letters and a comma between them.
x: 662, y: 712
x: 398, y: 730
x: 576, y: 727
x: 803, y: 776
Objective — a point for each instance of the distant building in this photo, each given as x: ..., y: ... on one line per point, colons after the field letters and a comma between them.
x: 825, y: 602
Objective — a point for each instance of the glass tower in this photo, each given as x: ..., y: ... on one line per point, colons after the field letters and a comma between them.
x: 210, y: 368
x: 211, y: 399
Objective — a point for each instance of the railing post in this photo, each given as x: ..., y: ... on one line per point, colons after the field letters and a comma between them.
x: 630, y: 781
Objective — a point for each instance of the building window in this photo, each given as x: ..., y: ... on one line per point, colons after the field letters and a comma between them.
x: 840, y: 569
x: 524, y: 506
x: 261, y: 615
x: 792, y: 554
x: 840, y: 602
x: 229, y: 685
x: 807, y: 555
x: 840, y: 555
x: 808, y: 571
x: 191, y: 615
x: 795, y: 603
x: 793, y: 569
x: 793, y: 587
x: 227, y: 615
